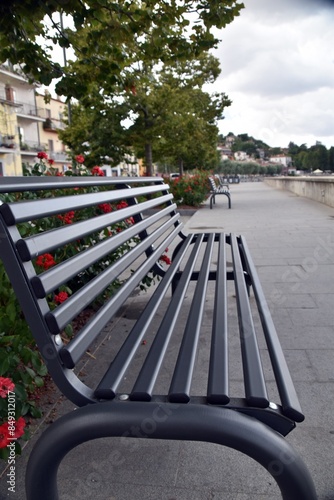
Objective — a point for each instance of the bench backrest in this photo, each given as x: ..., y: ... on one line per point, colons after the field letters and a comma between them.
x: 64, y: 249
x: 218, y: 187
x: 213, y: 185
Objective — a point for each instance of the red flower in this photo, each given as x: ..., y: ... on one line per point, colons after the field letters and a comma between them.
x: 80, y: 158
x: 61, y: 297
x: 19, y: 427
x: 165, y: 259
x: 42, y: 155
x: 105, y: 207
x: 6, y: 384
x: 121, y: 204
x: 68, y: 217
x: 46, y: 260
x: 50, y: 161
x: 4, y: 435
x: 97, y: 171
x: 11, y: 431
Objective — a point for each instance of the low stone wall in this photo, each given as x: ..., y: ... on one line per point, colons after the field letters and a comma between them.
x: 316, y: 188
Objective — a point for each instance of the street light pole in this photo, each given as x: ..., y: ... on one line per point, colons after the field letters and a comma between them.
x: 65, y: 64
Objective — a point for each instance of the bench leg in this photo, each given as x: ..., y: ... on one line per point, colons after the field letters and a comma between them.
x: 166, y: 421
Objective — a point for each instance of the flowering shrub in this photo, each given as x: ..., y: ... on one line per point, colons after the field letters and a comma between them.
x: 12, y: 427
x: 190, y: 190
x: 21, y: 368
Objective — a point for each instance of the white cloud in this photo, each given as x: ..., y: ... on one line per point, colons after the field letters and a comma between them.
x: 278, y: 69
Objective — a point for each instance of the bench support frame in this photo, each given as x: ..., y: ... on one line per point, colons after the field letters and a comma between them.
x: 167, y: 421
x: 213, y: 197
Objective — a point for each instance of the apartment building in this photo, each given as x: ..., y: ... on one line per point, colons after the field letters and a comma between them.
x: 53, y: 109
x: 27, y: 124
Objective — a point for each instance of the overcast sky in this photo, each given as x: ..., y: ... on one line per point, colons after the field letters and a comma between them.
x: 277, y: 61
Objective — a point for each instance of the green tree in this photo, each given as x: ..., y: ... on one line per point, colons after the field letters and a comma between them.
x: 319, y: 158
x: 105, y: 37
x: 171, y: 119
x: 118, y: 50
x: 188, y: 134
x: 97, y: 130
x: 331, y: 158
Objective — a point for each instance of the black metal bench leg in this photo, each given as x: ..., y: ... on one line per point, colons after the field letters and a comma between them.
x: 166, y: 421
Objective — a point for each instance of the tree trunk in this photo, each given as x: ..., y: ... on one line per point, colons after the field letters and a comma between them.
x: 148, y: 159
x: 180, y: 166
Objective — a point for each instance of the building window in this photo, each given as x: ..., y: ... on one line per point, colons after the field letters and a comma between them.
x: 50, y: 142
x: 21, y: 134
x: 10, y: 93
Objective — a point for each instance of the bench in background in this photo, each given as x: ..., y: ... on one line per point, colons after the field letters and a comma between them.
x: 216, y: 189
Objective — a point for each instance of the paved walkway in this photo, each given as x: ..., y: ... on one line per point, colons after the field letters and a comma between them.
x: 292, y: 244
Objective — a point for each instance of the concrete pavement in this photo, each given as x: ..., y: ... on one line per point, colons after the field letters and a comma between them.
x: 292, y: 243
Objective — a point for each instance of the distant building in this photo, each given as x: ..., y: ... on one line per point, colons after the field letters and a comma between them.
x: 53, y: 114
x: 19, y: 119
x: 283, y: 160
x: 225, y: 153
x: 241, y: 156
x: 130, y: 167
x: 27, y: 124
x: 261, y: 153
x: 230, y: 140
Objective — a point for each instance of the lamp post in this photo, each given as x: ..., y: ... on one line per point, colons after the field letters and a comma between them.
x: 65, y: 64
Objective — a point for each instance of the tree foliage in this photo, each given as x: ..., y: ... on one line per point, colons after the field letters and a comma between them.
x: 313, y: 158
x: 105, y: 37
x: 165, y: 117
x: 130, y: 60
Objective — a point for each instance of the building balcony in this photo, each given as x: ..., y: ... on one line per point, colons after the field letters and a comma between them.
x: 29, y: 111
x: 7, y: 148
x: 52, y: 125
x: 31, y: 148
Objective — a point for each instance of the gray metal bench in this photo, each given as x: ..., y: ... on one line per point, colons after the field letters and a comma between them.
x: 216, y: 189
x: 224, y: 378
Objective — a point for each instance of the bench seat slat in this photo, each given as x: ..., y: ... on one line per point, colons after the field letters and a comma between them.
x: 287, y: 392
x: 218, y: 385
x: 23, y: 211
x: 255, y: 387
x: 30, y: 248
x: 54, y: 277
x: 73, y: 351
x: 179, y: 391
x: 142, y: 389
